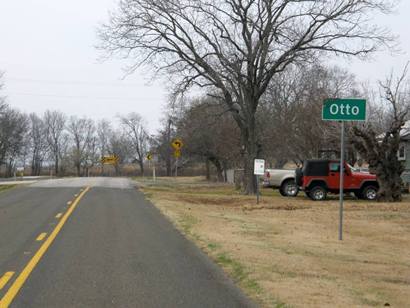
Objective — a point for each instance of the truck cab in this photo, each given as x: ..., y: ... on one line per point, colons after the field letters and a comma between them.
x: 320, y: 177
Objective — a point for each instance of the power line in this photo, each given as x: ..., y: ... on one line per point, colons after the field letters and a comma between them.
x: 77, y: 97
x: 74, y: 82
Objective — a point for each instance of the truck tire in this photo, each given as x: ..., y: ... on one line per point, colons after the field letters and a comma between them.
x: 318, y: 193
x: 369, y: 192
x: 289, y: 188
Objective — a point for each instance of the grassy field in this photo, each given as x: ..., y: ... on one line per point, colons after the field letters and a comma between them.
x: 285, y: 252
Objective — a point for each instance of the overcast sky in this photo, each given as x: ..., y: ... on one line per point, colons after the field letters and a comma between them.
x: 47, y: 52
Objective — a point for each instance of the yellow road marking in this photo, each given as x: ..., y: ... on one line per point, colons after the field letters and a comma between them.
x: 6, y: 277
x: 59, y: 215
x: 21, y: 279
x: 41, y: 237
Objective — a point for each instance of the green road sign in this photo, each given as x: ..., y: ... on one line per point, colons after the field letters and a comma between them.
x: 338, y: 109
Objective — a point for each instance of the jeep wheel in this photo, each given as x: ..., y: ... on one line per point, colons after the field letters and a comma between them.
x: 289, y: 189
x: 318, y: 193
x: 369, y: 193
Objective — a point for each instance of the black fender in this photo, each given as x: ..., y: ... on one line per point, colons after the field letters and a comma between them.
x: 369, y: 182
x: 315, y: 182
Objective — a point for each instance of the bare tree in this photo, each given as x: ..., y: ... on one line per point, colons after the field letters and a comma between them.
x: 380, y: 150
x: 119, y: 146
x: 55, y: 124
x: 82, y: 133
x: 104, y: 131
x: 161, y: 143
x: 134, y: 127
x: 210, y: 133
x: 13, y: 133
x: 38, y: 143
x: 238, y: 46
x: 91, y: 154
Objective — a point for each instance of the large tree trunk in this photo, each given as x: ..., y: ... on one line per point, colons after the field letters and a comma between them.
x: 78, y: 167
x: 246, y: 121
x: 168, y: 165
x: 141, y: 163
x: 250, y: 153
x: 56, y: 165
x: 36, y: 165
x: 390, y: 189
x: 207, y: 169
x: 225, y: 167
x: 33, y: 167
x: 388, y: 171
x: 219, y: 168
x: 383, y: 161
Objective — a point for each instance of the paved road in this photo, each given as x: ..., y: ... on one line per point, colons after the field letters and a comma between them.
x: 115, y: 250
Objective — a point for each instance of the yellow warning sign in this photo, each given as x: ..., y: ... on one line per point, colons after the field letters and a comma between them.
x: 109, y: 160
x: 177, y: 144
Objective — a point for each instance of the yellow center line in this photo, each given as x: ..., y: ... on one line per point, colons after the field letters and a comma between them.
x: 41, y: 237
x: 59, y: 215
x: 6, y: 277
x: 21, y: 279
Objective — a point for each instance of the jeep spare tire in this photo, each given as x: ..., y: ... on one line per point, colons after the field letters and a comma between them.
x: 298, y: 176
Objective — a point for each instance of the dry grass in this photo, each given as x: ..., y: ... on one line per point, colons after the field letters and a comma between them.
x: 286, y: 250
x: 6, y: 187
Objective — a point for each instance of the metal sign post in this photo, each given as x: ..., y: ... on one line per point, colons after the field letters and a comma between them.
x: 150, y: 157
x: 342, y: 173
x: 177, y: 144
x: 258, y: 169
x: 153, y: 171
x: 257, y: 189
x: 336, y: 109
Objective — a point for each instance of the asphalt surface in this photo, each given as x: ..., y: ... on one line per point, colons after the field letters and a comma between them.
x: 115, y: 250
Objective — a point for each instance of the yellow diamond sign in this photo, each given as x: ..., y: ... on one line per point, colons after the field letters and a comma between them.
x: 177, y: 144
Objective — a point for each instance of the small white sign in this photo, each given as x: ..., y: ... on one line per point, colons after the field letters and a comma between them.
x: 259, y: 167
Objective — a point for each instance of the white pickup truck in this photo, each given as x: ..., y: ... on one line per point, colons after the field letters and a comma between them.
x: 282, y: 179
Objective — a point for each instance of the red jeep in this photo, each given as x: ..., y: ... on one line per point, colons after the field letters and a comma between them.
x: 319, y: 177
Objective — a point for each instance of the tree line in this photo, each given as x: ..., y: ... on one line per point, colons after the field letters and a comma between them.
x: 67, y: 145
x: 289, y: 129
x: 290, y: 126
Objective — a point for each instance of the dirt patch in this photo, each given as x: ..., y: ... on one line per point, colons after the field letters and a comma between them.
x: 207, y: 200
x: 284, y: 207
x: 286, y: 250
